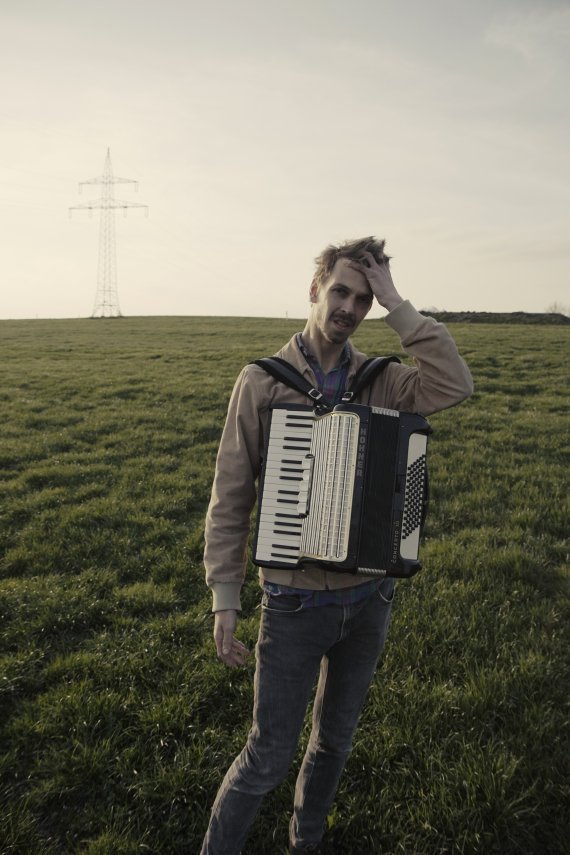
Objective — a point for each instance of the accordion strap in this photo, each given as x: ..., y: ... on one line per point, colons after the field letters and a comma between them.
x: 288, y: 374
x: 366, y: 374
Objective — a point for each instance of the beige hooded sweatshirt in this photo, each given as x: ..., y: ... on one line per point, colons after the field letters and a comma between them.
x: 439, y: 379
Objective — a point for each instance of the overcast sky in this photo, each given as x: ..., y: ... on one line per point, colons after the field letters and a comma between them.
x: 262, y: 130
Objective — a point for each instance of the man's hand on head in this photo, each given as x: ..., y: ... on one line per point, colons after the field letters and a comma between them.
x: 380, y: 280
x: 229, y: 649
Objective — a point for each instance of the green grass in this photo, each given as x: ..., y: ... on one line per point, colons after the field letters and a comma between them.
x: 116, y: 720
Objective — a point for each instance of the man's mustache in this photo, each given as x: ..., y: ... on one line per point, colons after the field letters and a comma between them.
x: 342, y: 316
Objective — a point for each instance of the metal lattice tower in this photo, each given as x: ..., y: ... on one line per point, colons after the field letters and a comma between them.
x: 107, y: 299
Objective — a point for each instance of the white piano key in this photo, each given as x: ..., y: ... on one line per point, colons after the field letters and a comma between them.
x: 278, y: 538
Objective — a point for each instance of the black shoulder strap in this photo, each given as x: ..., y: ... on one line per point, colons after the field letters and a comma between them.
x: 288, y: 374
x: 366, y: 374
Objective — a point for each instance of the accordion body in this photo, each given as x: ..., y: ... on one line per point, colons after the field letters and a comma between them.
x: 346, y: 491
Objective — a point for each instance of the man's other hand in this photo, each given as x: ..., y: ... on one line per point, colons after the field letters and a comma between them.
x: 229, y: 649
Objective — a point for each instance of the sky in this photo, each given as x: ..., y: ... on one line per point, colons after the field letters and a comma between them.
x: 260, y: 131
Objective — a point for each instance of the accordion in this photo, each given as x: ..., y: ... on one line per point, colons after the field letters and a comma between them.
x: 346, y: 491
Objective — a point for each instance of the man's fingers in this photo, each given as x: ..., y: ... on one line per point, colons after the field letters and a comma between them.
x: 367, y: 259
x: 235, y: 655
x: 227, y: 641
x: 224, y: 641
x: 224, y: 626
x: 230, y: 650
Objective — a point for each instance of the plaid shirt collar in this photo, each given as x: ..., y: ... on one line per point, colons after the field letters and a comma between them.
x: 333, y: 384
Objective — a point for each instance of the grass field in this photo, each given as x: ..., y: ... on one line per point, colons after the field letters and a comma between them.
x: 117, y: 721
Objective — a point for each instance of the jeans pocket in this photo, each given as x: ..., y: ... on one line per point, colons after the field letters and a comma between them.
x: 386, y: 590
x: 283, y: 603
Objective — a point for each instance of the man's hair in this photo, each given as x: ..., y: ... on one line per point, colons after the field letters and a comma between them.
x: 351, y: 249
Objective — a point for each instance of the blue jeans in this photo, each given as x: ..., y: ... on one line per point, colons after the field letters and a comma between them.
x: 296, y: 642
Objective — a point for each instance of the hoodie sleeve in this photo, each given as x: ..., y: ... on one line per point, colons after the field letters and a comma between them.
x: 233, y: 495
x: 440, y: 377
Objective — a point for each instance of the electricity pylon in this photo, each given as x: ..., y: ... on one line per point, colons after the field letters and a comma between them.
x: 106, y: 298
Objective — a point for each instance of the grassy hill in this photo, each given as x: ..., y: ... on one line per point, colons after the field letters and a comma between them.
x: 550, y: 318
x: 117, y: 721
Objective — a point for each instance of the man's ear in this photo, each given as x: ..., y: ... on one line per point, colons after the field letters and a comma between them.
x: 313, y: 291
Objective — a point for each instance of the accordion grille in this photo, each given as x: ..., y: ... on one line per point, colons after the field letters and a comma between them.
x: 334, y: 446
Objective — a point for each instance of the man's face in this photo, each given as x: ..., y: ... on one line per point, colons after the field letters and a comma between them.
x: 341, y: 303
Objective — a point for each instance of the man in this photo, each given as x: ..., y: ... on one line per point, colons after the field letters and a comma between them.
x: 313, y: 621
